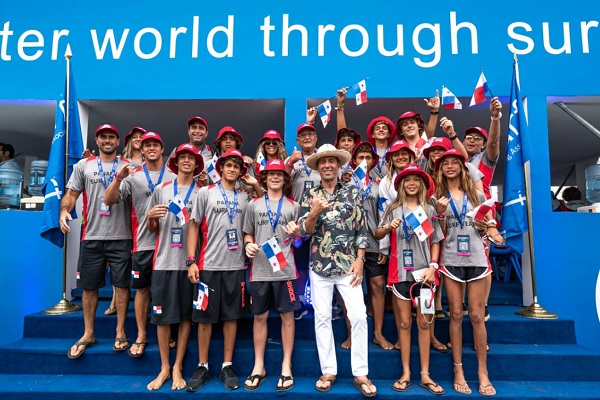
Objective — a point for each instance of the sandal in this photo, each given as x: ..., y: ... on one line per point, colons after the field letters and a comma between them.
x: 483, y: 390
x: 401, y: 388
x: 324, y: 378
x: 252, y: 378
x: 110, y: 311
x: 82, y: 343
x: 368, y: 384
x: 284, y: 379
x: 141, y: 346
x: 439, y: 314
x: 431, y: 386
x: 442, y: 348
x: 119, y: 341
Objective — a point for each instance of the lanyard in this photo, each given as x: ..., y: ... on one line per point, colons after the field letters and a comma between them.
x: 231, y: 208
x: 306, y: 169
x: 474, y: 155
x: 112, y: 173
x: 189, y: 193
x: 270, y: 213
x: 461, y: 220
x: 150, y: 184
x: 365, y: 194
x: 405, y: 227
x: 382, y: 159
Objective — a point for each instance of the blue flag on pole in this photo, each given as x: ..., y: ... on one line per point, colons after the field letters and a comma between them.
x: 514, y: 206
x: 54, y: 183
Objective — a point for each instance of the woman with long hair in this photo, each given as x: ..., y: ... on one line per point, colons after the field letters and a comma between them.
x: 270, y: 147
x: 464, y: 262
x: 409, y: 255
x: 133, y: 146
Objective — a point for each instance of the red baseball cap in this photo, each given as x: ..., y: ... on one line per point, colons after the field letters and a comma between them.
x: 231, y: 153
x: 305, y: 127
x: 107, y: 127
x: 270, y: 135
x: 451, y: 152
x: 132, y: 131
x: 186, y: 148
x: 228, y: 129
x: 477, y: 129
x: 198, y: 119
x: 412, y: 169
x: 442, y: 142
x: 389, y: 124
x: 152, y: 136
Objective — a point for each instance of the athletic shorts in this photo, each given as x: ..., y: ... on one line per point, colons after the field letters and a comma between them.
x: 279, y: 296
x: 172, y: 297
x: 465, y: 274
x: 96, y: 255
x: 302, y: 256
x: 228, y: 296
x: 402, y: 290
x: 141, y: 269
x: 372, y: 269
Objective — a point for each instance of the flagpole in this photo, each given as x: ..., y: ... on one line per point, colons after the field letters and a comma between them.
x: 64, y: 306
x: 535, y: 310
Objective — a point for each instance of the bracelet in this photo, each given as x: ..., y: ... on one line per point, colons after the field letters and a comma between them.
x: 441, y: 217
x: 289, y: 164
x: 491, y: 222
x: 340, y: 105
x: 119, y: 178
x: 191, y: 258
x: 340, y: 108
x: 434, y: 112
x: 497, y: 118
x: 453, y: 137
x: 434, y: 264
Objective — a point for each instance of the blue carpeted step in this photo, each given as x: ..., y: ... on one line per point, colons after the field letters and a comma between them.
x: 133, y: 387
x: 505, y: 362
x: 503, y: 327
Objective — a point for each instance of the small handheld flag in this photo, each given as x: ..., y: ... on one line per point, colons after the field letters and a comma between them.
x: 324, y: 110
x: 362, y: 173
x: 177, y: 207
x: 360, y: 92
x: 274, y: 254
x: 419, y: 222
x: 261, y: 161
x: 211, y: 170
x: 201, y: 303
x: 449, y: 100
x: 479, y: 212
x: 480, y: 90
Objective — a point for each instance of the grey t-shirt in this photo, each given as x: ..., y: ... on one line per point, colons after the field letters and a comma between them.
x: 257, y: 224
x: 372, y: 213
x: 137, y: 189
x: 303, y: 180
x: 170, y: 252
x: 211, y: 212
x: 100, y: 224
x: 380, y: 169
x: 450, y: 257
x: 421, y: 251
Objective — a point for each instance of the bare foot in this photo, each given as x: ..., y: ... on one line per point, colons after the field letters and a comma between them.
x: 178, y: 381
x: 347, y: 344
x: 162, y: 377
x: 383, y: 343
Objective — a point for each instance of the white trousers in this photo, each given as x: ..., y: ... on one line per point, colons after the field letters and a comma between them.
x: 322, y: 296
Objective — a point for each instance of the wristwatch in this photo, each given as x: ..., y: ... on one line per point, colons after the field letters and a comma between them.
x: 363, y: 258
x: 190, y: 262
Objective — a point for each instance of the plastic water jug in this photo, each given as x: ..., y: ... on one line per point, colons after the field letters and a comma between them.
x: 592, y: 183
x: 37, y: 173
x: 11, y: 186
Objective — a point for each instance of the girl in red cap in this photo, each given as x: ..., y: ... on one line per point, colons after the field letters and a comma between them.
x: 270, y: 147
x: 408, y: 255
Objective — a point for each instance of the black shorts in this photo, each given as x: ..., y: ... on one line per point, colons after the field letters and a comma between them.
x: 465, y: 274
x: 172, y: 297
x: 402, y: 290
x: 372, y: 269
x: 302, y: 256
x: 94, y: 255
x: 141, y: 269
x: 279, y: 296
x: 228, y: 296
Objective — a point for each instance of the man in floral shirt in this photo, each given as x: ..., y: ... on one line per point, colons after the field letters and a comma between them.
x: 333, y: 214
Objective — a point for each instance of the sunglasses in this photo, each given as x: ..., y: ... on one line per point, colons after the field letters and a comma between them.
x: 474, y: 138
x: 270, y: 142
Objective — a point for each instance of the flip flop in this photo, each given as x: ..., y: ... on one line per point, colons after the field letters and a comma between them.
x: 482, y: 389
x: 284, y: 379
x: 120, y: 340
x: 431, y: 385
x: 359, y: 386
x: 85, y: 344
x: 142, y: 345
x: 332, y: 379
x: 252, y: 378
x: 172, y: 344
x: 464, y: 385
x: 110, y: 311
x: 439, y: 314
x: 442, y: 348
x: 401, y: 389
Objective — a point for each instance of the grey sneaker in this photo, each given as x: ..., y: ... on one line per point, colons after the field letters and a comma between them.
x: 229, y: 378
x: 199, y: 377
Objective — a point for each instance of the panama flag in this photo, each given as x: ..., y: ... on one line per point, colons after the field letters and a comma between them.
x: 360, y: 91
x: 177, y: 207
x: 362, y: 173
x: 212, y: 170
x: 135, y: 274
x: 201, y: 302
x: 449, y: 100
x: 479, y: 212
x: 324, y: 110
x: 157, y: 309
x: 419, y: 222
x: 480, y: 90
x: 514, y: 204
x: 261, y: 161
x: 274, y: 254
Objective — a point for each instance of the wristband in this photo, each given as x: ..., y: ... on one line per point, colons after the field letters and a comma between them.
x: 340, y: 105
x: 119, y: 178
x: 434, y: 264
x: 289, y: 164
x: 434, y: 112
x: 496, y: 118
x: 491, y: 222
x: 441, y: 216
x: 191, y: 258
x: 453, y: 137
x: 340, y: 108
